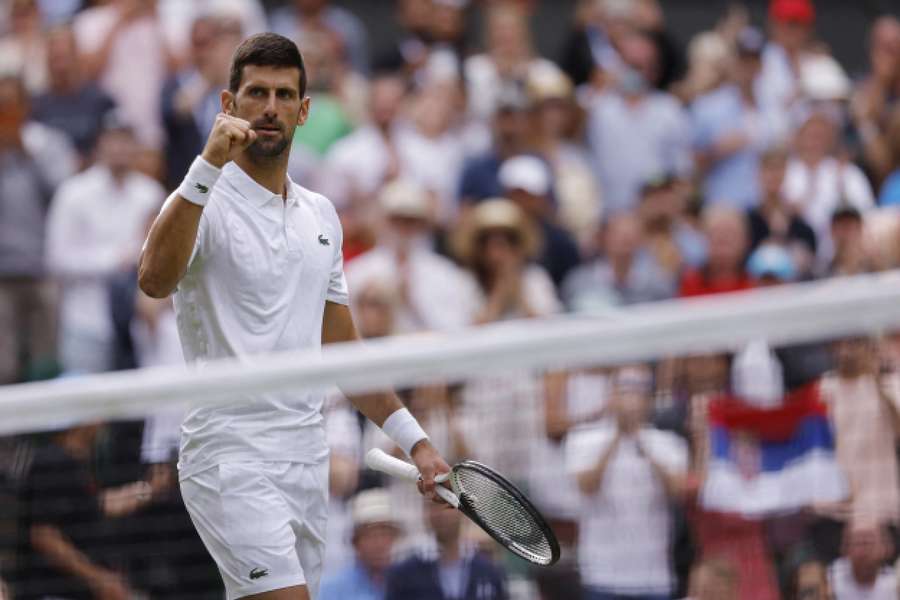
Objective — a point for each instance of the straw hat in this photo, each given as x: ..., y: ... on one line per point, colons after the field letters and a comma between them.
x: 494, y: 214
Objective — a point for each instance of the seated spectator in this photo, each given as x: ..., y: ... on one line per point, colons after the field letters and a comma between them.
x: 447, y: 568
x: 526, y: 181
x: 346, y: 28
x: 865, y: 414
x: 72, y: 103
x: 726, y: 231
x: 890, y: 190
x: 64, y: 540
x: 731, y: 129
x: 817, y: 181
x: 374, y: 533
x: 628, y: 473
x: 95, y: 228
x: 635, y: 132
x: 625, y: 272
x: 774, y: 220
x: 860, y: 573
x: 34, y: 159
x: 851, y: 256
x: 509, y: 130
x: 190, y: 98
x: 714, y: 579
x: 434, y: 294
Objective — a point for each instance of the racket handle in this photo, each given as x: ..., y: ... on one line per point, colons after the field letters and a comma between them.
x: 379, y: 460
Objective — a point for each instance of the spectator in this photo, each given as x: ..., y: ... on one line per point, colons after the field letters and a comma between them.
x: 447, y: 568
x: 575, y: 187
x: 409, y: 50
x: 71, y: 103
x: 731, y: 128
x: 671, y: 239
x: 851, y: 255
x: 24, y: 44
x: 890, y: 190
x: 507, y: 60
x: 818, y: 180
x: 860, y: 573
x: 791, y: 24
x: 177, y: 19
x: 628, y: 473
x: 634, y: 132
x: 190, y: 98
x: 374, y: 533
x: 64, y: 543
x: 526, y: 180
x: 34, y: 159
x: 774, y: 220
x: 510, y: 132
x: 866, y: 418
x: 433, y: 293
x: 591, y: 50
x: 728, y: 235
x: 625, y: 272
x: 714, y: 579
x: 875, y: 99
x: 346, y: 28
x: 123, y: 47
x: 94, y: 229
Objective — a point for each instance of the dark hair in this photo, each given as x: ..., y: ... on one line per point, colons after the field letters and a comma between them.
x: 266, y: 50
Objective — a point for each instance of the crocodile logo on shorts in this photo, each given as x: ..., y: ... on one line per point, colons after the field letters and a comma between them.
x: 324, y: 240
x: 258, y: 572
x: 201, y: 188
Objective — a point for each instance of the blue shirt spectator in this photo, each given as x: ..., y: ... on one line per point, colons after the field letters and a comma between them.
x: 352, y: 583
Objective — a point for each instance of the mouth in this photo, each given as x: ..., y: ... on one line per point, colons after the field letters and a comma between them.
x: 267, y: 131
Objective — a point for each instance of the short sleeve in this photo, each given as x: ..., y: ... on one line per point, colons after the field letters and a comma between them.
x: 338, y: 291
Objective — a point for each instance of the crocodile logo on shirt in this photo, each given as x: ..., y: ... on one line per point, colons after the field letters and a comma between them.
x: 257, y: 572
x: 201, y: 188
x: 324, y: 240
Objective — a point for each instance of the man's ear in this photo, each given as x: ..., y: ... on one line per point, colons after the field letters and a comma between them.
x: 227, y: 99
x: 304, y: 111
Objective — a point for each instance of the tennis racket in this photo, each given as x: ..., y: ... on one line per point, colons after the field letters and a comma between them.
x: 490, y: 501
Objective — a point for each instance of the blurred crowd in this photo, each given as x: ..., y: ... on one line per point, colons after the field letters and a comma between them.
x: 476, y: 182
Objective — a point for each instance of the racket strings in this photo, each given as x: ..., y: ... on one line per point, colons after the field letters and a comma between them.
x: 504, y: 515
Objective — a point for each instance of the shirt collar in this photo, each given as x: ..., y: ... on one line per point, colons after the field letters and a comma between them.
x: 254, y: 192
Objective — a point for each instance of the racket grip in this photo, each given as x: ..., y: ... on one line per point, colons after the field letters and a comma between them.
x: 379, y: 460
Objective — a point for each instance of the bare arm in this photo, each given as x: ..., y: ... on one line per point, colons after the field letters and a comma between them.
x: 337, y: 326
x: 174, y: 232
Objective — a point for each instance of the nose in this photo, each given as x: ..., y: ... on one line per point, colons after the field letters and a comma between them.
x: 270, y: 108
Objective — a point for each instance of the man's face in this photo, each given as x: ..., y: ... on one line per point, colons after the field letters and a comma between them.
x: 793, y: 35
x: 510, y: 127
x: 385, y: 100
x: 269, y: 99
x: 865, y: 548
x: 117, y: 149
x: 747, y: 68
x: 771, y: 175
x: 846, y: 232
x: 727, y: 238
x: 884, y: 50
x: 373, y: 545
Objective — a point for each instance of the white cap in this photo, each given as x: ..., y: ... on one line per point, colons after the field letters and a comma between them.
x: 527, y: 173
x: 405, y: 198
x: 370, y: 507
x: 823, y: 78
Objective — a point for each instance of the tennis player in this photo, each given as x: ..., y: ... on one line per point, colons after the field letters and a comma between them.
x: 257, y: 263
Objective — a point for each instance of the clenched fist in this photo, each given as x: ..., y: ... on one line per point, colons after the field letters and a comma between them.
x: 228, y: 138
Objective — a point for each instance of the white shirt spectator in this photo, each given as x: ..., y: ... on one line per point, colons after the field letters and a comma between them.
x: 625, y: 527
x: 845, y: 587
x: 262, y: 269
x: 95, y: 227
x: 817, y: 192
x: 631, y: 144
x: 435, y: 163
x: 136, y: 69
x: 442, y: 296
x: 177, y: 17
x: 344, y: 176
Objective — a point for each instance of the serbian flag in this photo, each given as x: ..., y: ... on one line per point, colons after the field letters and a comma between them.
x: 766, y: 461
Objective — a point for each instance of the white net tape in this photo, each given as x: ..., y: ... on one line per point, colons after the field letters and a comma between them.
x: 791, y: 313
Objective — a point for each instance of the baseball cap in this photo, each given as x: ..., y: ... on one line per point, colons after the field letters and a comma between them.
x: 371, y: 507
x: 404, y: 198
x: 794, y: 11
x: 750, y: 41
x: 524, y: 172
x: 772, y: 260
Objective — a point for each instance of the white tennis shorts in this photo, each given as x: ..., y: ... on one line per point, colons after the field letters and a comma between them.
x: 262, y: 522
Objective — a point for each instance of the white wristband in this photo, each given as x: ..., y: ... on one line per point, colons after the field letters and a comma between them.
x: 197, y: 185
x: 404, y: 430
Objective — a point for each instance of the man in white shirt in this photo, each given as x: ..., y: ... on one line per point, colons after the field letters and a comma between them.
x: 628, y: 473
x: 257, y: 263
x: 95, y: 227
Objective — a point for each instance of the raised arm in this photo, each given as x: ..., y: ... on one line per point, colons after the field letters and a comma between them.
x: 384, y: 408
x: 173, y: 234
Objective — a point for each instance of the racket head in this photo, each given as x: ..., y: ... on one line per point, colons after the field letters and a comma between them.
x: 504, y: 513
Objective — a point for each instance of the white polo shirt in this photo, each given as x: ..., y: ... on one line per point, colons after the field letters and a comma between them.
x: 257, y: 282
